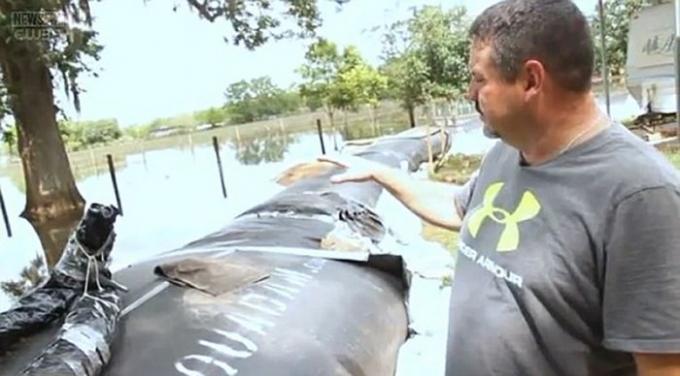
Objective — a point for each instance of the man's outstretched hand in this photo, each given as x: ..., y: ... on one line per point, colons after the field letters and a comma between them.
x: 358, y: 169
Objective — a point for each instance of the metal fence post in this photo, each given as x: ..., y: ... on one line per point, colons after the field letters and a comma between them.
x: 112, y: 171
x: 320, y: 131
x: 4, y: 215
x: 216, y: 146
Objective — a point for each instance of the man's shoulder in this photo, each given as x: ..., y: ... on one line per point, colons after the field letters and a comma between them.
x: 634, y: 164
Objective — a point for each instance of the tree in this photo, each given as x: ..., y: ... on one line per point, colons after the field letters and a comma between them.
x: 319, y: 72
x: 617, y: 17
x: 341, y: 93
x: 426, y: 56
x: 79, y: 135
x: 408, y: 81
x: 43, y: 39
x: 258, y: 99
x: 339, y: 81
x: 136, y: 132
x: 38, y: 40
x: 212, y: 116
x: 366, y: 84
x: 356, y: 83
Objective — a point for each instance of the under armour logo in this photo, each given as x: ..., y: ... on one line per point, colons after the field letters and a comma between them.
x: 528, y: 208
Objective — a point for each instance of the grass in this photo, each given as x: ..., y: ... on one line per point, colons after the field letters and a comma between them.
x: 455, y: 169
x: 448, y: 239
x: 672, y: 152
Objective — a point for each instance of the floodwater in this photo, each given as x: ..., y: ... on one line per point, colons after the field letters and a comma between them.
x: 173, y: 196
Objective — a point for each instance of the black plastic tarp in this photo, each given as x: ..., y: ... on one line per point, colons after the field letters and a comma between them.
x: 311, y: 316
x: 79, y: 291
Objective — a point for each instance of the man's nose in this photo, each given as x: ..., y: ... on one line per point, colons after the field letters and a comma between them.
x: 471, y: 94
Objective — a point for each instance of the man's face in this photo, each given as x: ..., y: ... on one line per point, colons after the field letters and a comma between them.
x: 499, y: 102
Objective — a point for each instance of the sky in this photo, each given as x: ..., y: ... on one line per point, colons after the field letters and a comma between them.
x: 158, y: 62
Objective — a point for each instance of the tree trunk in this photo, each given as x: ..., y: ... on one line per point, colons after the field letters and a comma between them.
x: 412, y: 115
x: 330, y: 113
x: 374, y: 124
x: 51, y: 192
x: 375, y: 115
x: 430, y: 158
x: 54, y: 234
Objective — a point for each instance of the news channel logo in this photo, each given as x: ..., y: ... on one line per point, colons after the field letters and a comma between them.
x: 40, y: 25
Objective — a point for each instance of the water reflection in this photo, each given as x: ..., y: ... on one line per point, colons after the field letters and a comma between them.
x: 82, y: 165
x: 171, y: 191
x: 362, y: 131
x: 95, y: 164
x: 268, y: 147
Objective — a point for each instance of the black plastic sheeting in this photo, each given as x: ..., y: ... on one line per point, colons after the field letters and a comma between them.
x: 80, y: 286
x: 36, y: 311
x: 82, y: 347
x: 302, y: 214
x: 292, y: 219
x: 311, y: 316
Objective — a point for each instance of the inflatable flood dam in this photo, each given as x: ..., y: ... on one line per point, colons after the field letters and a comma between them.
x: 298, y: 285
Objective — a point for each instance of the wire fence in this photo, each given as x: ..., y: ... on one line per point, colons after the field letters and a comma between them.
x: 387, y: 119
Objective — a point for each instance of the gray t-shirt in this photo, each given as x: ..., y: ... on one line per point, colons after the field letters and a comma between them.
x: 567, y: 267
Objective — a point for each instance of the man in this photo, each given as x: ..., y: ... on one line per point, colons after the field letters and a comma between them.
x: 569, y: 260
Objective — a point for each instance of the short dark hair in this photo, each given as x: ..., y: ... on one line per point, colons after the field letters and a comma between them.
x: 555, y: 32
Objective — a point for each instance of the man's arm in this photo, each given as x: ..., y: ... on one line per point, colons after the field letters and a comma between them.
x: 641, y: 296
x: 657, y: 364
x: 432, y: 201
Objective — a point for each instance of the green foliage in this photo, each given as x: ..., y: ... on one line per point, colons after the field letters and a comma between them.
x: 456, y: 168
x: 186, y: 121
x: 356, y: 82
x: 672, y: 152
x: 339, y: 81
x: 617, y: 16
x: 66, y: 42
x: 214, y: 116
x: 137, y: 132
x: 363, y: 84
x: 446, y: 238
x: 280, y: 103
x: 29, y: 278
x: 258, y: 99
x: 255, y: 22
x: 59, y: 41
x: 426, y: 56
x: 9, y: 137
x: 312, y: 102
x: 79, y: 135
x: 318, y: 73
x: 408, y: 79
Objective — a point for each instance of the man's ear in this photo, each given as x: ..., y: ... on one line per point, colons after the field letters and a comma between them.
x: 534, y: 77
